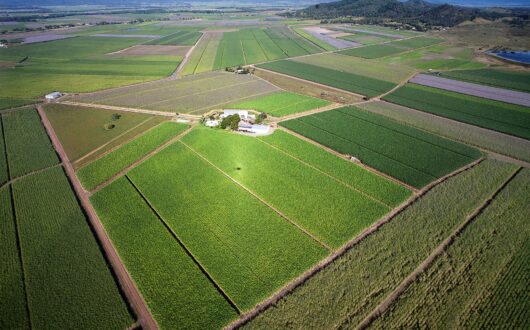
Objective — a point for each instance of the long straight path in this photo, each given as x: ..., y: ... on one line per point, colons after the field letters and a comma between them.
x: 128, y: 286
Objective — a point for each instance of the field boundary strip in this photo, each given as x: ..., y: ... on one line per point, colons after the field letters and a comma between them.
x: 6, y: 157
x: 185, y: 248
x: 114, y: 139
x: 436, y: 253
x: 253, y: 194
x: 234, y: 101
x: 336, y: 153
x: 300, y: 280
x: 128, y: 288
x: 116, y: 108
x: 328, y: 175
x: 187, y: 57
x: 326, y: 108
x: 138, y: 162
x: 18, y: 178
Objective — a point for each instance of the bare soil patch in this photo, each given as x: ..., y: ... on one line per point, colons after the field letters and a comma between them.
x: 141, y: 50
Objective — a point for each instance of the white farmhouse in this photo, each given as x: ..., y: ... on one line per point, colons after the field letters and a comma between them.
x: 53, y: 96
x: 211, y: 123
x: 243, y: 114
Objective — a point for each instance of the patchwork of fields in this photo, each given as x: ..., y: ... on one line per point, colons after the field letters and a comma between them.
x: 196, y: 94
x: 499, y: 116
x: 410, y: 155
x: 492, y: 77
x: 391, y: 48
x: 44, y: 236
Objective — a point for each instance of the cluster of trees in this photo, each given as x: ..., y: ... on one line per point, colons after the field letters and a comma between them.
x: 230, y: 121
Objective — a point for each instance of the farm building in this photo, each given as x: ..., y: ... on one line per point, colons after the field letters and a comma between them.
x: 53, y: 96
x: 254, y: 129
x: 243, y: 114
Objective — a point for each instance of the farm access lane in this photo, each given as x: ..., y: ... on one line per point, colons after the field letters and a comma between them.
x: 115, y: 108
x: 300, y: 280
x: 127, y: 285
x: 487, y: 92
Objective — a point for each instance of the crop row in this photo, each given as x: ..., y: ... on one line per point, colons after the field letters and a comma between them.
x: 4, y: 175
x: 340, y: 169
x: 112, y: 163
x: 67, y: 280
x: 185, y: 38
x: 248, y: 249
x: 495, y: 115
x: 381, y: 261
x: 482, y: 280
x: 408, y: 154
x: 290, y: 186
x: 281, y: 103
x: 27, y: 144
x: 391, y: 48
x: 344, y: 80
x: 492, y: 77
x: 177, y: 293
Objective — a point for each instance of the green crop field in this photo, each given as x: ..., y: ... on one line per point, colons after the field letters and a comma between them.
x: 112, y: 163
x: 83, y: 129
x: 314, y: 40
x: 194, y: 94
x: 247, y: 248
x: 67, y: 280
x: 347, y: 81
x: 499, y: 116
x: 175, y: 290
x: 493, y: 77
x: 203, y: 57
x: 281, y: 104
x: 28, y: 147
x: 380, y: 262
x: 180, y: 38
x: 359, y: 66
x: 285, y: 182
x: 408, y: 154
x: 482, y: 280
x: 391, y: 48
x: 4, y: 172
x: 366, y: 39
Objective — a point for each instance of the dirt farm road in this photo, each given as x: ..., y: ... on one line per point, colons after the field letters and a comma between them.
x: 137, y: 303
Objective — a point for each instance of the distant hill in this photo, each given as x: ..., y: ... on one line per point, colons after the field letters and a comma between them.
x: 414, y: 12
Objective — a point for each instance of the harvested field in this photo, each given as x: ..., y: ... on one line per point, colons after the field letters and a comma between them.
x: 325, y: 36
x: 343, y: 80
x: 44, y: 38
x: 499, y: 116
x: 306, y: 88
x: 309, y: 37
x: 381, y: 261
x: 487, y: 92
x: 493, y: 77
x: 195, y: 94
x: 365, y: 39
x: 383, y: 35
x: 410, y: 155
x: 142, y: 50
x: 501, y: 143
x: 391, y: 48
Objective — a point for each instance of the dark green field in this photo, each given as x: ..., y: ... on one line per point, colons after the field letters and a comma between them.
x: 492, y: 77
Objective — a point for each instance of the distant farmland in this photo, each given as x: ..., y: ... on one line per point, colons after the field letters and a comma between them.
x: 408, y: 154
x: 195, y: 94
x: 391, y: 48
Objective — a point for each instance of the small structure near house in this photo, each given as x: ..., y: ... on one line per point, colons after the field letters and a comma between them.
x: 3, y: 45
x: 243, y: 114
x: 254, y: 129
x: 211, y: 123
x: 355, y: 159
x: 53, y: 96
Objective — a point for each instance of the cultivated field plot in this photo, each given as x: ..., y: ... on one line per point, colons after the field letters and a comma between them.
x: 281, y: 104
x: 492, y: 77
x: 343, y: 80
x: 250, y: 46
x: 459, y: 290
x: 112, y: 163
x: 499, y: 116
x: 282, y: 180
x: 408, y: 154
x: 380, y: 262
x: 319, y: 43
x: 87, y: 132
x: 462, y: 87
x: 203, y: 57
x: 325, y: 35
x: 28, y: 147
x: 359, y: 66
x: 380, y: 31
x: 366, y: 39
x: 184, y: 38
x: 160, y: 50
x: 392, y: 48
x: 195, y: 94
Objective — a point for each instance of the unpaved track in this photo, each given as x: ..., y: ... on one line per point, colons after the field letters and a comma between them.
x: 128, y: 286
x: 286, y: 290
x: 462, y: 87
x: 114, y: 108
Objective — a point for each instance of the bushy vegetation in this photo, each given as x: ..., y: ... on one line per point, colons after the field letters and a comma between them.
x: 281, y: 104
x: 408, y: 154
x: 180, y: 38
x: 357, y: 282
x: 290, y: 185
x: 482, y: 279
x: 492, y: 77
x: 67, y: 279
x: 175, y: 290
x: 495, y: 115
x: 348, y: 81
x: 391, y: 48
x: 112, y: 163
x: 27, y: 144
x: 13, y: 313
